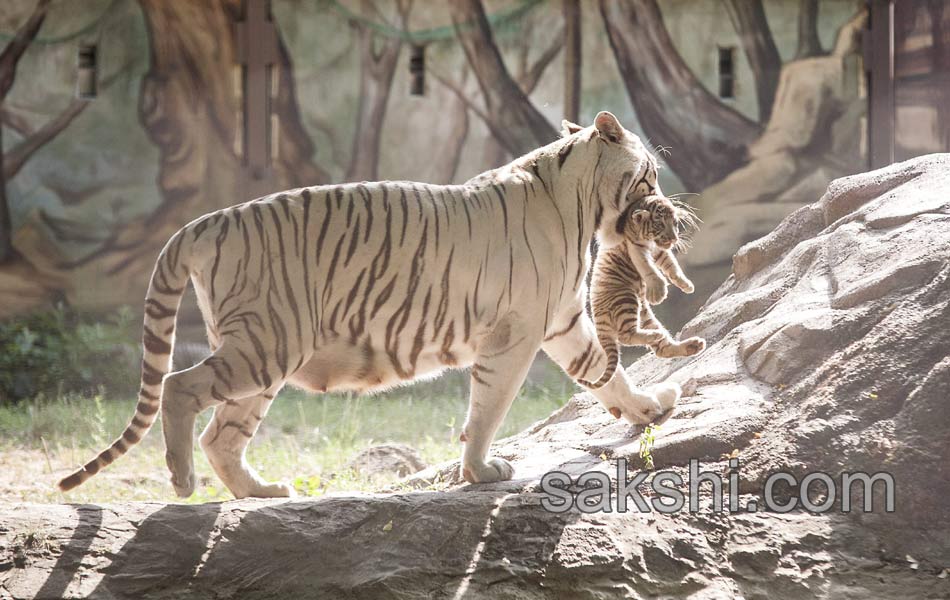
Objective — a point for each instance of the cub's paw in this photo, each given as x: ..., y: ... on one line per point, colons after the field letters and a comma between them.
x: 694, y: 345
x: 686, y: 286
x: 496, y: 469
x: 655, y: 290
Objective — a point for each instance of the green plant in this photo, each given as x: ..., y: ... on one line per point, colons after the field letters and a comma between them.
x: 60, y: 352
x: 647, y: 439
x: 307, y: 486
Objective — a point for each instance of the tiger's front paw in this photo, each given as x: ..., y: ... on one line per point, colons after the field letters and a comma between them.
x: 643, y: 410
x: 637, y: 415
x: 184, y: 484
x: 183, y: 474
x: 668, y: 394
x: 655, y: 290
x: 496, y: 469
x: 650, y: 408
x: 268, y: 490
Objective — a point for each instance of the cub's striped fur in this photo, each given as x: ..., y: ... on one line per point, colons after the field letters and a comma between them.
x: 629, y: 277
x: 367, y: 285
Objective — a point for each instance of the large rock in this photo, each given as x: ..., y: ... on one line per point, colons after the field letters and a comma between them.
x: 828, y: 352
x: 384, y: 460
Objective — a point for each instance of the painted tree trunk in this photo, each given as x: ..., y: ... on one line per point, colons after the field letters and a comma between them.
x: 512, y: 118
x: 6, y: 223
x: 9, y: 58
x: 447, y: 162
x: 295, y: 165
x: 748, y: 18
x: 808, y: 42
x: 190, y: 108
x: 706, y: 139
x: 572, y: 59
x: 377, y: 68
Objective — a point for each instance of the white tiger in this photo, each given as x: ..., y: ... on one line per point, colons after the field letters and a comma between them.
x: 363, y: 286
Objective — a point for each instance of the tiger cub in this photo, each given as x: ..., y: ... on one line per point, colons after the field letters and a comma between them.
x: 628, y: 278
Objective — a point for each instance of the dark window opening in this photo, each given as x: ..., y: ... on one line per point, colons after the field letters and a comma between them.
x: 727, y: 77
x: 87, y: 67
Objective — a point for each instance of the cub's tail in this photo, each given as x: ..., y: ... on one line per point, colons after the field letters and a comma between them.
x: 612, y: 349
x: 165, y: 290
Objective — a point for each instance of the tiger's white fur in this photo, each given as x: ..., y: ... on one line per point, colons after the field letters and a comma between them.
x: 368, y: 285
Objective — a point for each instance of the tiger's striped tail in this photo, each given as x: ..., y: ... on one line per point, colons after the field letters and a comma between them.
x: 166, y: 287
x: 612, y: 349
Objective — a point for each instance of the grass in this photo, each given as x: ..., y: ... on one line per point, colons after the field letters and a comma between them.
x: 307, y: 439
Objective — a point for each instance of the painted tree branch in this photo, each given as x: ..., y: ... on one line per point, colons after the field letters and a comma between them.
x: 447, y: 162
x: 460, y: 94
x: 494, y: 154
x: 748, y: 19
x: 528, y: 77
x: 191, y: 115
x: 6, y: 222
x: 14, y: 121
x: 513, y: 119
x: 378, y: 56
x: 14, y: 159
x: 572, y: 59
x: 11, y: 54
x: 9, y: 58
x: 295, y: 148
x: 528, y: 80
x: 808, y: 42
x: 707, y: 139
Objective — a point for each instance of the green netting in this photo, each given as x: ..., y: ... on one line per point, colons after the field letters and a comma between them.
x: 65, y: 37
x: 500, y: 22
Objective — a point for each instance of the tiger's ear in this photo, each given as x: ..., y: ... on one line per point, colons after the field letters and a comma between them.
x: 568, y: 128
x: 630, y: 221
x: 609, y: 127
x: 639, y: 217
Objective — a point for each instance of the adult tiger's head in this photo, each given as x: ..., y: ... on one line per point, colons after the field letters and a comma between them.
x: 655, y: 218
x: 625, y: 170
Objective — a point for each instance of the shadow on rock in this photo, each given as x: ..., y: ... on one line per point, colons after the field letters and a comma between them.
x: 164, y: 554
x: 67, y: 564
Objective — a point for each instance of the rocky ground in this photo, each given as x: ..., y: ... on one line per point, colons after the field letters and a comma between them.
x: 829, y: 350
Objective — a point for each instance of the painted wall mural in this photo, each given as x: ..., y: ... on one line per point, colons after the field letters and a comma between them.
x: 922, y: 73
x: 754, y: 105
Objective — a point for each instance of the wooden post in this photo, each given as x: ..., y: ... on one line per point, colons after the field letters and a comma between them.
x: 256, y: 44
x: 879, y: 64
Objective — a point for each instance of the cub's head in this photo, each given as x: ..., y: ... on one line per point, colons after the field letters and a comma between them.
x: 623, y: 171
x: 666, y: 222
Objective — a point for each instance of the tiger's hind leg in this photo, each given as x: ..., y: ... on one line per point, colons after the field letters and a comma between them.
x: 633, y: 328
x: 663, y: 343
x: 223, y: 377
x: 225, y: 441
